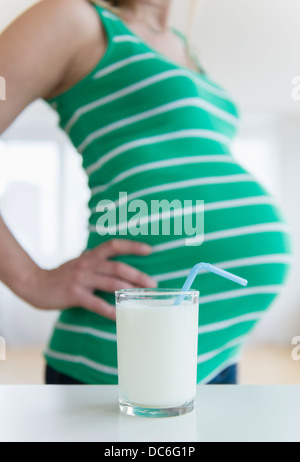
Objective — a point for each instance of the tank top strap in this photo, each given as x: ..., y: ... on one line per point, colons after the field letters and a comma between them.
x: 112, y: 23
x: 114, y: 26
x: 192, y: 52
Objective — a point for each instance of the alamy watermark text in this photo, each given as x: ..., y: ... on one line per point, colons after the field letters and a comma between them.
x: 296, y: 88
x: 153, y: 218
x: 2, y: 349
x: 2, y: 89
x: 296, y: 350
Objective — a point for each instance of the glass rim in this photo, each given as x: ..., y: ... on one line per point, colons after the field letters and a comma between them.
x: 158, y: 292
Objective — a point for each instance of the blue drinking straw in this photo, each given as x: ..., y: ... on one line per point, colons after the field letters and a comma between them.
x: 212, y: 269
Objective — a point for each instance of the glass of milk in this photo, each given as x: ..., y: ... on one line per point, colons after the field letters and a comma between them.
x: 157, y: 351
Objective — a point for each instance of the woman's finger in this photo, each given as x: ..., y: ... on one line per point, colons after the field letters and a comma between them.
x: 127, y: 273
x: 117, y: 247
x: 107, y: 283
x: 97, y: 305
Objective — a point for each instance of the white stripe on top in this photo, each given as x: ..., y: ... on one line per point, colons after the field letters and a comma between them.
x: 244, y: 202
x: 240, y: 263
x: 82, y: 360
x: 179, y: 104
x: 181, y: 134
x: 223, y: 325
x: 238, y: 293
x: 126, y: 38
x: 218, y: 235
x: 109, y: 15
x: 114, y: 371
x: 214, y: 327
x: 225, y: 234
x: 142, y: 84
x: 210, y: 180
x: 87, y: 331
x: 212, y: 354
x: 121, y: 93
x: 123, y: 63
x: 153, y: 55
x: 164, y: 164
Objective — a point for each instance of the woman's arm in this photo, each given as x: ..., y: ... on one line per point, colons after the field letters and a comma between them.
x: 16, y: 267
x: 40, y: 49
x: 36, y: 53
x: 74, y: 283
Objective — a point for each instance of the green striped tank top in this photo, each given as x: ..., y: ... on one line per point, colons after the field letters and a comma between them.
x: 159, y: 131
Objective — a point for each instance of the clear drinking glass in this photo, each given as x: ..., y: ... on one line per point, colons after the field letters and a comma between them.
x: 157, y: 351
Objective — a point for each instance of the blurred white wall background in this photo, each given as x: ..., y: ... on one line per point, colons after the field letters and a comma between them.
x: 251, y: 48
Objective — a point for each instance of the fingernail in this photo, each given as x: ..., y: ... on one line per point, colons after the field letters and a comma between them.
x: 152, y: 284
x: 147, y: 248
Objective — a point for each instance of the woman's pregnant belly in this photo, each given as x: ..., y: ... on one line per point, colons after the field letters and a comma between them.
x: 243, y: 228
x: 243, y: 233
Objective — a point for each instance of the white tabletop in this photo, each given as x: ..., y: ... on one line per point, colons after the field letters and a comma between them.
x: 45, y: 413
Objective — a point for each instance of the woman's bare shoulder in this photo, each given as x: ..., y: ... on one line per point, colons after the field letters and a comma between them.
x: 82, y: 29
x: 79, y: 16
x: 51, y: 45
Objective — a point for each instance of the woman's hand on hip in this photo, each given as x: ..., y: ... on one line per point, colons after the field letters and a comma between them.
x: 74, y: 283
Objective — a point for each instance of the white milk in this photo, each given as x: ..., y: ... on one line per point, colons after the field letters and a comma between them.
x: 157, y: 353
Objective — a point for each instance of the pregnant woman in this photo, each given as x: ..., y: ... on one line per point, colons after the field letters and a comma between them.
x: 149, y: 122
